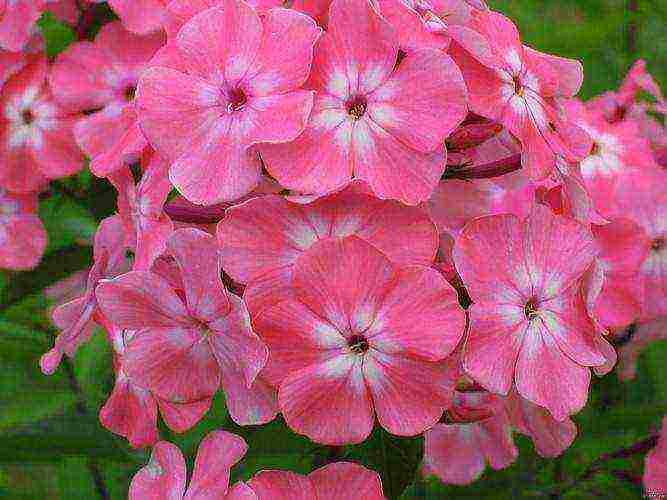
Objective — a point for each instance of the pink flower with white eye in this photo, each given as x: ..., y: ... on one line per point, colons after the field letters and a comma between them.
x: 624, y: 246
x: 141, y: 209
x: 261, y: 239
x: 165, y: 474
x: 101, y: 77
x: 140, y: 16
x: 335, y: 481
x: 22, y: 235
x: 550, y: 437
x: 36, y: 141
x: 520, y: 88
x: 233, y: 81
x: 640, y: 337
x: 655, y: 466
x: 457, y: 451
x: 76, y: 318
x: 382, y: 123
x: 618, y: 154
x: 360, y: 337
x: 184, y: 349
x: 528, y: 322
x: 17, y: 22
x: 644, y: 200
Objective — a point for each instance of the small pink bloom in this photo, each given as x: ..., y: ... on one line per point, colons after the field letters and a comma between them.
x: 528, y: 321
x: 361, y: 336
x: 185, y: 349
x: 457, y: 451
x: 140, y: 207
x: 140, y: 16
x: 382, y: 123
x: 260, y: 240
x: 550, y: 437
x: 233, y: 81
x: 75, y: 319
x: 22, y: 235
x: 36, y: 141
x: 101, y: 77
x: 520, y: 88
x: 163, y: 478
x: 655, y: 466
x: 17, y: 22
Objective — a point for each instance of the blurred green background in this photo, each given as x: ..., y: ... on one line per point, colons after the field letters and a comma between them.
x: 52, y: 446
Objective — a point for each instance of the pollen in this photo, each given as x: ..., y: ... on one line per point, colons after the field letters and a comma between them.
x: 358, y: 344
x: 356, y: 107
x: 530, y: 309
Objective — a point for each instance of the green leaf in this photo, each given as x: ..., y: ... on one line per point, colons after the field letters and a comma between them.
x: 75, y: 479
x: 26, y: 407
x: 66, y: 222
x: 93, y: 370
x: 57, y: 35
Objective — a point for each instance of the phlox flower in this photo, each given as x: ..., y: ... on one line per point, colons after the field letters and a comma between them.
x: 375, y: 120
x: 261, y: 239
x: 22, y: 235
x: 655, y: 466
x: 101, y: 77
x: 520, y: 88
x: 36, y: 141
x: 477, y: 431
x: 164, y: 477
x: 360, y: 337
x: 75, y: 319
x: 185, y: 348
x: 232, y: 81
x: 17, y: 22
x: 528, y: 323
x: 141, y: 210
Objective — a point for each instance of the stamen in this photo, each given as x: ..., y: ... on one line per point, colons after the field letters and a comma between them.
x: 356, y: 107
x: 358, y: 344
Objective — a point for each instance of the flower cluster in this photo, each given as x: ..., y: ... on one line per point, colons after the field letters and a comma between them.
x: 387, y: 211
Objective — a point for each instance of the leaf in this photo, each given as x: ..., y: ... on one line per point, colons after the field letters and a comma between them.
x: 75, y: 479
x: 66, y: 222
x: 57, y: 35
x: 26, y: 407
x: 93, y: 370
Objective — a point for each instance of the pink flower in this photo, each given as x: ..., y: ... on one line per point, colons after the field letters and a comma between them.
x: 260, y: 240
x: 75, y: 319
x: 382, y: 123
x: 140, y: 16
x: 520, y: 88
x: 361, y: 336
x: 528, y: 321
x: 165, y: 474
x: 184, y: 349
x: 332, y: 482
x: 655, y: 466
x: 140, y: 207
x: 22, y: 236
x: 232, y: 83
x: 17, y: 22
x: 550, y: 437
x: 101, y: 77
x: 478, y: 431
x: 37, y: 144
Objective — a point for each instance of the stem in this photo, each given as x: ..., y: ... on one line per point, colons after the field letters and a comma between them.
x: 486, y: 171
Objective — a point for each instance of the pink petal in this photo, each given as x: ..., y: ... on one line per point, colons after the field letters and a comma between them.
x: 226, y: 37
x: 17, y: 21
x: 392, y: 169
x: 131, y: 412
x: 297, y: 338
x: 173, y: 363
x: 285, y: 55
x: 181, y: 417
x: 197, y: 257
x: 282, y: 485
x: 427, y: 84
x: 495, y: 436
x: 23, y: 241
x: 140, y: 16
x: 241, y: 491
x: 328, y: 402
x: 58, y: 154
x: 346, y: 480
x: 271, y: 288
x: 453, y: 454
x: 141, y: 299
x: 547, y: 377
x: 254, y: 405
x: 232, y: 338
x: 163, y: 477
x: 101, y: 131
x: 218, y: 452
x: 409, y: 394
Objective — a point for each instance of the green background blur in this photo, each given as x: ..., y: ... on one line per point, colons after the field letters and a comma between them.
x: 52, y: 446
